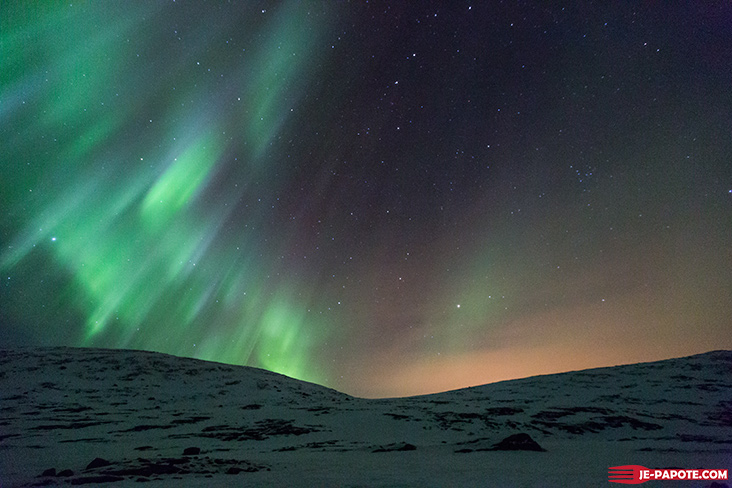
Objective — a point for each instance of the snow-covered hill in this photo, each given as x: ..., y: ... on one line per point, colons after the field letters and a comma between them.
x: 117, y: 418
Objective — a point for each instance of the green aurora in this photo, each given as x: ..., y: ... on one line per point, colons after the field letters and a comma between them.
x: 385, y: 199
x: 118, y: 207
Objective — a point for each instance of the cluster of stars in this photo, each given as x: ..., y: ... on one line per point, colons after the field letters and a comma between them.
x: 310, y: 188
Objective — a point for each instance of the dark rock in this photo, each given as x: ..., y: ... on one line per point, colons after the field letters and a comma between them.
x: 88, y: 480
x: 261, y: 430
x: 65, y: 473
x: 396, y: 447
x: 69, y: 426
x: 192, y: 420
x: 246, y: 468
x: 147, y: 470
x: 49, y: 472
x: 157, y: 468
x: 398, y: 416
x: 191, y: 451
x: 518, y: 442
x: 144, y: 427
x: 98, y: 463
x: 617, y: 421
x: 496, y: 411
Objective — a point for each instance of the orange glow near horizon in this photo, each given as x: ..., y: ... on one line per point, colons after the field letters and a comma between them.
x: 485, y: 367
x: 631, y: 330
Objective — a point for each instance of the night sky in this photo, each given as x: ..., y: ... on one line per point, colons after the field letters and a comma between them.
x: 385, y: 198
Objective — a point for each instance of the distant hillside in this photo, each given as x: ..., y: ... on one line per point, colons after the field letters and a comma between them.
x: 117, y: 417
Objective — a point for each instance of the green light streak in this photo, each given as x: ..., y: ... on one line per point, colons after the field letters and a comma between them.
x: 181, y: 182
x: 136, y: 220
x: 278, y: 73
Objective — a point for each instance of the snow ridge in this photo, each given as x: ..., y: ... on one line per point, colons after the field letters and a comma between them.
x: 119, y: 417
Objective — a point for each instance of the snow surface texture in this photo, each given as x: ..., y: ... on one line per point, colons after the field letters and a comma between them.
x: 118, y: 418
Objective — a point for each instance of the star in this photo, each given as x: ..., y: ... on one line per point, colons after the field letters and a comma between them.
x: 533, y: 162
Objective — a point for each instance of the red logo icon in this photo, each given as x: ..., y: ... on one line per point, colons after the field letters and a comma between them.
x: 629, y: 475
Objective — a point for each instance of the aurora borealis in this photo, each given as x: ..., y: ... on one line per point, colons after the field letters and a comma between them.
x: 385, y: 198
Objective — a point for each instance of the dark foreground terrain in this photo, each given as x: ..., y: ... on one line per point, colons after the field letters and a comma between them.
x: 118, y: 418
